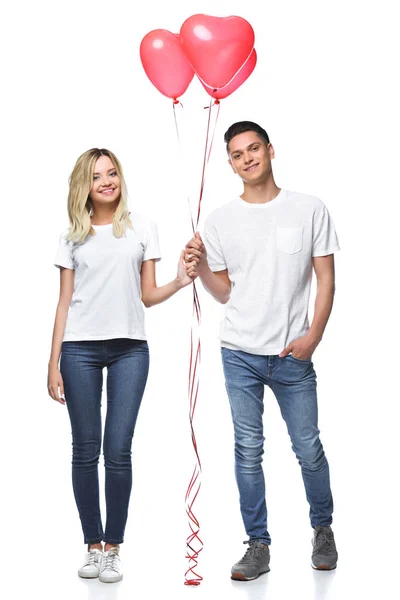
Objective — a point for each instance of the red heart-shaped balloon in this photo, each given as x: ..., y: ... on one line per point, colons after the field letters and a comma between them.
x: 216, y: 47
x: 237, y: 81
x: 165, y: 62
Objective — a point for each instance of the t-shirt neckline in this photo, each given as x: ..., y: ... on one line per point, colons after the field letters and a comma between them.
x: 263, y: 205
x: 102, y: 226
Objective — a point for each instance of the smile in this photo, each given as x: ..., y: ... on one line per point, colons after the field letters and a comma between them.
x: 108, y: 191
x: 252, y: 167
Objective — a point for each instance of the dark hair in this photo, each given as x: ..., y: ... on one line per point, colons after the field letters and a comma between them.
x: 242, y: 127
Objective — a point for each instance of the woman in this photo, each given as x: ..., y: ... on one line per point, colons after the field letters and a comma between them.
x: 107, y: 268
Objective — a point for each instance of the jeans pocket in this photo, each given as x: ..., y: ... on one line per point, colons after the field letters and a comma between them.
x: 300, y: 360
x: 289, y: 239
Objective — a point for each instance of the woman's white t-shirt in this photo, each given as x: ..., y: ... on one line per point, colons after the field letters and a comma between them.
x: 106, y: 301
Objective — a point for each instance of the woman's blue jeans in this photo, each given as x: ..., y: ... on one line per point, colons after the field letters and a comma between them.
x: 81, y: 366
x: 294, y: 385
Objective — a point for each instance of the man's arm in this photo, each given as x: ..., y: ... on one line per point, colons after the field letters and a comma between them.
x: 304, y: 347
x: 324, y: 267
x: 217, y: 284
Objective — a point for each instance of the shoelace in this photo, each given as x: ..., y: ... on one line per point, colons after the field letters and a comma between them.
x: 109, y: 561
x: 91, y: 558
x: 252, y: 552
x: 324, y: 539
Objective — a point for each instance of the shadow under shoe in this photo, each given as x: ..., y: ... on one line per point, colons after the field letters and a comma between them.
x: 254, y: 563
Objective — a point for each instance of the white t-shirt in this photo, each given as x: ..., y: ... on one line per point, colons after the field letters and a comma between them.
x: 268, y: 249
x: 106, y: 301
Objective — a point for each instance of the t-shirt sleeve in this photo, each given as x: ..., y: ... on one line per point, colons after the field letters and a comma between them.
x: 64, y: 256
x: 215, y: 256
x: 152, y: 249
x: 325, y: 240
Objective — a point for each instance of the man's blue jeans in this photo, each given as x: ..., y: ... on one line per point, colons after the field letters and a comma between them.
x: 81, y: 366
x: 294, y: 385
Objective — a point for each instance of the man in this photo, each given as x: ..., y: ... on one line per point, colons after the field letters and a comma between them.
x: 258, y: 257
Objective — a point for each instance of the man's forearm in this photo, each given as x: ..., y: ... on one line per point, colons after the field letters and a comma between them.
x: 322, y: 309
x: 214, y: 285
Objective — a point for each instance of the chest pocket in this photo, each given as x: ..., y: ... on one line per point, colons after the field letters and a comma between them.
x: 289, y: 239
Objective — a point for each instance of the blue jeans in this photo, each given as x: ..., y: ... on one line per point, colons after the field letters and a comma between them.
x: 294, y: 385
x: 81, y: 366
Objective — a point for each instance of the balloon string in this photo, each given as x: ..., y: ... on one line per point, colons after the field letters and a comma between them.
x: 216, y: 103
x: 176, y: 122
x: 207, y: 151
x: 194, y: 544
x: 175, y: 102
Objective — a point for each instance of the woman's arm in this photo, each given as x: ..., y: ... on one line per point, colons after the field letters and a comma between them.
x: 151, y: 294
x: 54, y: 380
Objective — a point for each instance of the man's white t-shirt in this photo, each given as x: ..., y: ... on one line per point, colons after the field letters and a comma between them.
x: 106, y: 301
x: 268, y: 250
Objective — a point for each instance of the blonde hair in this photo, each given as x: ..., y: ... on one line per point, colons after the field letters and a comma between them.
x: 79, y: 202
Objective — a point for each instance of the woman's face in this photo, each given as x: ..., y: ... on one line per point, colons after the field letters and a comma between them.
x: 106, y: 186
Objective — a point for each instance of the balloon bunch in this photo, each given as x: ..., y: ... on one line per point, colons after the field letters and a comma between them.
x: 220, y: 51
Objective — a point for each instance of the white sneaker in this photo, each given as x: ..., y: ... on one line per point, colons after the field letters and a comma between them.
x: 111, y: 567
x: 91, y: 567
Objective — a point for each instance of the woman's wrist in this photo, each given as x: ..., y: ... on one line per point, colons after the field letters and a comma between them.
x: 53, y: 364
x: 177, y: 283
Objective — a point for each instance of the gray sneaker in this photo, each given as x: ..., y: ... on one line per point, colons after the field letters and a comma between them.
x: 324, y: 555
x: 254, y: 562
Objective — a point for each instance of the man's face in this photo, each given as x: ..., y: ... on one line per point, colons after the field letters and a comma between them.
x: 250, y: 157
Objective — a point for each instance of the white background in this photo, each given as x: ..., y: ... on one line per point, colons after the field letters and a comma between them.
x: 325, y: 88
